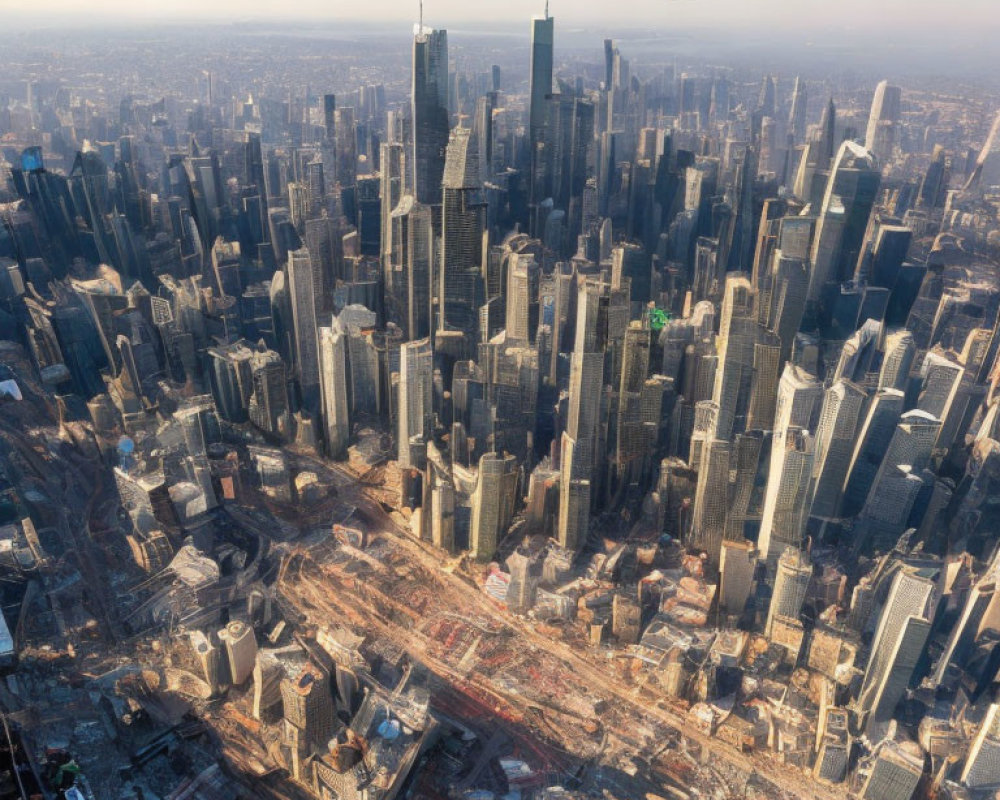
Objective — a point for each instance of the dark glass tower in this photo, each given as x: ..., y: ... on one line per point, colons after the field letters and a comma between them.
x: 539, y: 88
x: 430, y: 112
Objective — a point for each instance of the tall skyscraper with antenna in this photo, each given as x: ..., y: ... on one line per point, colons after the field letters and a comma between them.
x: 429, y: 97
x: 539, y: 88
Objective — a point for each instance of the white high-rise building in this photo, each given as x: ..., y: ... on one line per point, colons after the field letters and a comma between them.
x: 738, y: 333
x: 881, y: 134
x: 792, y: 450
x: 940, y: 377
x: 333, y: 387
x: 838, y: 422
x: 909, y: 450
x: 579, y: 448
x: 982, y: 764
x: 522, y: 286
x: 902, y: 632
x: 900, y: 348
x: 415, y: 393
x: 791, y: 584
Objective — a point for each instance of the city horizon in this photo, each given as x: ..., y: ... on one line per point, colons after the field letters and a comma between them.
x: 497, y: 404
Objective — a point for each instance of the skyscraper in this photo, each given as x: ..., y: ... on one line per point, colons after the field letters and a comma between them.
x: 301, y: 293
x: 833, y: 745
x: 880, y: 136
x: 843, y: 403
x: 609, y: 63
x: 899, y: 351
x: 408, y: 269
x: 269, y: 401
x: 893, y: 771
x: 982, y: 763
x: 438, y: 510
x: 307, y: 705
x: 797, y: 115
x: 539, y: 87
x: 392, y: 182
x: 783, y: 516
x: 782, y: 283
x: 737, y: 564
x: 843, y: 217
x: 241, y: 650
x: 898, y: 480
x: 522, y: 298
x: 940, y: 377
x: 579, y: 447
x: 634, y: 436
x: 871, y: 445
x: 899, y: 641
x: 711, y: 500
x: 785, y: 498
x: 972, y: 619
x: 460, y: 289
x: 816, y: 157
x: 430, y: 112
x: 333, y: 387
x: 911, y: 442
x: 791, y: 584
x: 738, y: 333
x: 415, y: 392
x: 493, y: 503
x: 989, y: 157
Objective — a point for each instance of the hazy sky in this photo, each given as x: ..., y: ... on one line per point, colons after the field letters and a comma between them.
x: 952, y: 16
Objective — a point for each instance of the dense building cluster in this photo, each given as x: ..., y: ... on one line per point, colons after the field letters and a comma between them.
x: 693, y: 368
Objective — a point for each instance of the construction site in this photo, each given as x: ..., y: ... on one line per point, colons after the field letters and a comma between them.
x: 309, y: 645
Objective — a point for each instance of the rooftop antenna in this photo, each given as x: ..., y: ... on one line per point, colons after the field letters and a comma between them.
x: 546, y: 9
x: 421, y: 16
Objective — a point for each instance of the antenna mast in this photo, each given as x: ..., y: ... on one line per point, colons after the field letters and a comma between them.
x: 421, y: 16
x: 546, y: 9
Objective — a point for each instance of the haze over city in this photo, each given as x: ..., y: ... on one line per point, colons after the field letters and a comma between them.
x: 921, y: 15
x: 513, y: 402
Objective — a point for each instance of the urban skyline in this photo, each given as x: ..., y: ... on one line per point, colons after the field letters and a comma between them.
x: 911, y: 16
x: 440, y: 414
